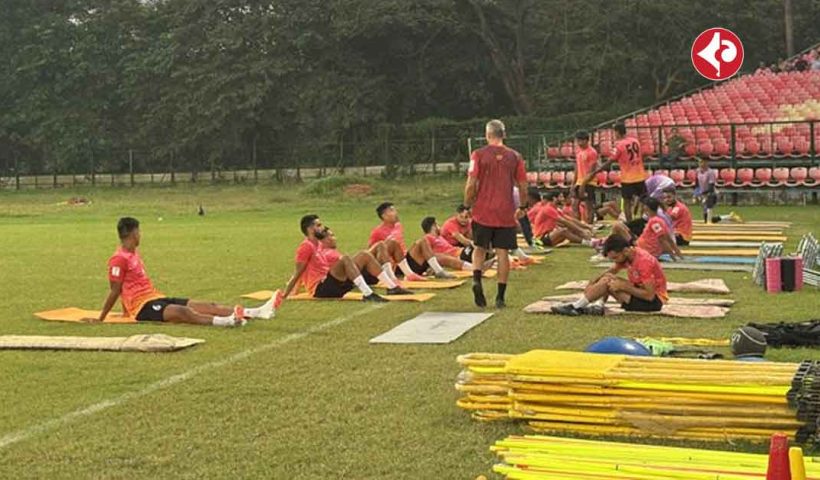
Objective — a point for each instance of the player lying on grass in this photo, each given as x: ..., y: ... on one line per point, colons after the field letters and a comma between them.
x: 680, y: 215
x: 376, y: 265
x: 320, y: 277
x: 653, y: 232
x: 644, y: 289
x: 550, y: 225
x: 458, y: 230
x: 141, y: 301
x: 413, y: 262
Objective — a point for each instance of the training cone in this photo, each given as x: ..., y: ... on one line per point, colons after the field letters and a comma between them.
x: 796, y: 465
x: 779, y: 458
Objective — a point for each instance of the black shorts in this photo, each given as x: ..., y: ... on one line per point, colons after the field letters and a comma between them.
x: 331, y: 287
x: 153, y: 310
x: 711, y: 200
x: 679, y: 241
x: 636, y: 189
x: 640, y: 305
x: 546, y: 240
x: 494, y: 237
x: 466, y: 254
x: 369, y: 279
x: 414, y: 265
x: 590, y: 191
x: 636, y: 226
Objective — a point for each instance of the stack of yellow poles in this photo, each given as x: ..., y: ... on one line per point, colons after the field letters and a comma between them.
x: 597, y: 394
x: 551, y: 458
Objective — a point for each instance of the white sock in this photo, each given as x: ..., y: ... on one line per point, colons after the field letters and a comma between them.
x: 581, y: 302
x: 405, y: 268
x: 520, y: 254
x: 385, y: 279
x: 390, y: 271
x: 586, y: 241
x: 434, y: 265
x: 467, y: 266
x: 362, y: 286
x: 256, y: 312
x: 228, y: 321
x: 725, y: 217
x: 600, y: 302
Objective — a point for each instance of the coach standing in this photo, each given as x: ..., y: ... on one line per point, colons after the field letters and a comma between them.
x: 494, y: 171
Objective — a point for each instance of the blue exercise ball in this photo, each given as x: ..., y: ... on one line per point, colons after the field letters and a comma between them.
x: 618, y: 345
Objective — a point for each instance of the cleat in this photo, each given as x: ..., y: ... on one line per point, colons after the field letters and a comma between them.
x: 399, y: 291
x: 593, y: 309
x: 374, y: 298
x: 566, y: 309
x: 478, y: 296
x: 500, y: 303
x: 442, y: 275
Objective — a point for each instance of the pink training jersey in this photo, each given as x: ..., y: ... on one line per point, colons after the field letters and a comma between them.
x: 650, y: 239
x: 586, y: 159
x: 645, y: 269
x: 310, y: 254
x: 386, y: 231
x: 627, y: 153
x: 681, y: 220
x: 127, y: 268
x: 498, y: 169
x: 451, y: 227
x: 440, y: 245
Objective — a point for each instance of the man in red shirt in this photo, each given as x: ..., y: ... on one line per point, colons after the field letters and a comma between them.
x: 458, y: 229
x: 413, y: 262
x: 141, y: 301
x: 448, y: 255
x: 627, y: 153
x: 583, y: 192
x: 321, y: 278
x: 552, y: 227
x: 494, y: 170
x: 644, y: 289
x: 680, y: 215
x: 653, y: 234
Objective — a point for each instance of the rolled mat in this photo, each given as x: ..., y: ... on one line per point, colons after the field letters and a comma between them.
x: 155, y: 342
x: 653, y: 397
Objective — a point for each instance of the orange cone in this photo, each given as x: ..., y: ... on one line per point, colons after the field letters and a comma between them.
x: 779, y: 458
x: 796, y: 465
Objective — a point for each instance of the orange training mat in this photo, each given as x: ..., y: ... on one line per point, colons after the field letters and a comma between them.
x: 350, y: 296
x: 74, y: 314
x: 469, y: 274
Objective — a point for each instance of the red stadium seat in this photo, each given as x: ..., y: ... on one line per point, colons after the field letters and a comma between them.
x: 802, y: 147
x: 615, y: 178
x: 558, y: 178
x: 553, y: 152
x: 762, y: 176
x: 690, y: 150
x: 780, y: 176
x: 569, y: 178
x: 744, y: 177
x: 602, y: 178
x: 662, y: 171
x: 691, y: 177
x: 798, y: 176
x: 814, y: 176
x: 726, y: 176
x: 752, y: 148
x: 532, y: 178
x: 784, y: 146
x: 705, y: 148
x: 567, y: 151
x: 544, y: 178
x: 678, y: 176
x: 721, y: 149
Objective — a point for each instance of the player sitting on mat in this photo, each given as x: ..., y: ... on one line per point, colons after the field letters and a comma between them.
x: 654, y: 232
x: 377, y: 266
x: 643, y: 291
x: 413, y: 262
x: 323, y: 279
x: 680, y: 215
x: 458, y: 230
x: 140, y: 300
x: 551, y: 227
x: 448, y: 255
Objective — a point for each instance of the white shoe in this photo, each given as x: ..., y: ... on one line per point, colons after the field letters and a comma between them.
x: 268, y: 310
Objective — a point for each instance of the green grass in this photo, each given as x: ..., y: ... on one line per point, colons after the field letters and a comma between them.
x: 328, y: 405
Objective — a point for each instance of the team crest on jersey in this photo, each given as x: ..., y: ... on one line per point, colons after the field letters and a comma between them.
x: 115, y: 271
x: 156, y: 307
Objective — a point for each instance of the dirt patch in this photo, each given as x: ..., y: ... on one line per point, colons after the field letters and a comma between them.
x: 358, y: 190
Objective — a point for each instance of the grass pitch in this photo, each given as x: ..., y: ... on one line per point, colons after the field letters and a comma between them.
x: 312, y: 399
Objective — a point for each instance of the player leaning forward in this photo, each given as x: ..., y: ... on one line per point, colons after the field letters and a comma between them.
x: 140, y: 300
x: 494, y: 170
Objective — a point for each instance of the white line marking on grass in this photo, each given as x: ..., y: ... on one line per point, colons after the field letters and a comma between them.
x: 26, y: 433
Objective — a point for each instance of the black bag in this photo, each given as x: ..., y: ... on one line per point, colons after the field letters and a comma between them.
x: 803, y: 334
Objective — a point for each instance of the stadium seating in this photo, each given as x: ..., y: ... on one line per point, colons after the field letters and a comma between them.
x: 727, y: 177
x: 745, y: 176
x: 780, y: 176
x: 797, y: 176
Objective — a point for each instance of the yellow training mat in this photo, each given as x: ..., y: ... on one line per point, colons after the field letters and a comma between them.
x: 74, y: 314
x: 723, y: 252
x: 350, y: 296
x: 155, y: 342
x: 491, y: 273
x: 737, y: 232
x: 429, y: 284
x: 733, y: 237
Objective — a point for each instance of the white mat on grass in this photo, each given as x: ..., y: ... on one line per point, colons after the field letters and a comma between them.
x: 432, y: 327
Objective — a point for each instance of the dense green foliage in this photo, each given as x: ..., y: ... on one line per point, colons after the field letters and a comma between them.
x: 196, y: 81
